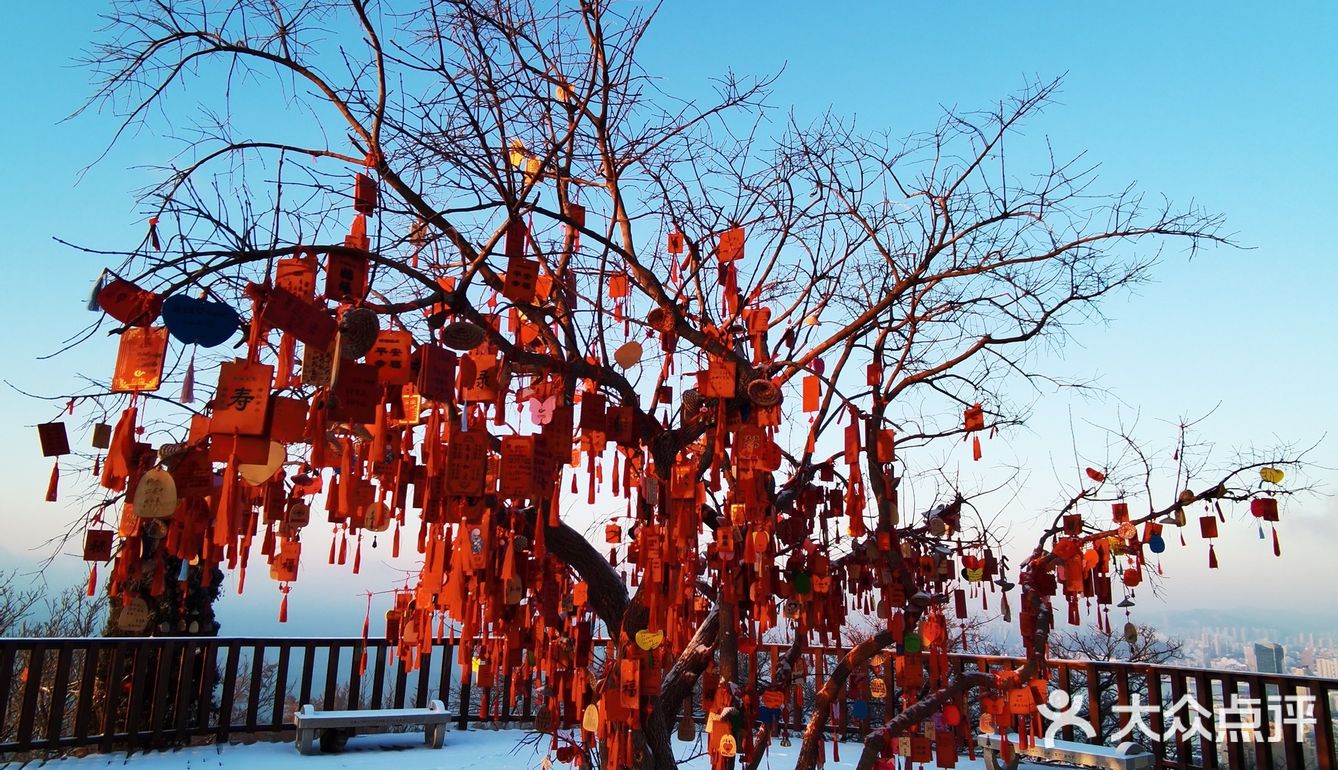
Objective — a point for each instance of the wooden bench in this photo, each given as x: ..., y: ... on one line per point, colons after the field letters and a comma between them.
x: 1126, y: 756
x: 335, y: 727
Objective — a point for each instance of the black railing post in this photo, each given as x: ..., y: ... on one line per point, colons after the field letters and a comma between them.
x: 256, y: 686
x: 1324, y: 748
x: 111, y: 684
x: 1094, y: 714
x: 1263, y: 750
x: 166, y: 665
x: 134, y: 706
x: 308, y: 673
x: 355, y: 670
x: 1291, y: 737
x: 1203, y: 693
x: 278, y: 718
x: 88, y: 678
x: 229, y: 690
x: 8, y: 653
x: 424, y: 671
x: 60, y: 684
x: 32, y: 681
x: 192, y: 659
x: 379, y: 674
x: 331, y: 677
x: 444, y: 681
x: 466, y: 679
x: 1158, y: 721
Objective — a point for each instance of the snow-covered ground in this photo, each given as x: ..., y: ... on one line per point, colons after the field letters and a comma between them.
x: 470, y: 750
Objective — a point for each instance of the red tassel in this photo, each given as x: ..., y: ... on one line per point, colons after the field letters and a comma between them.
x: 332, y: 550
x: 1212, y: 557
x: 975, y: 447
x: 366, y: 628
x: 188, y: 382
x: 1277, y: 547
x: 343, y: 548
x: 590, y: 489
x: 395, y: 542
x: 284, y: 365
x: 283, y: 606
x: 93, y: 580
x: 357, y: 556
x: 52, y: 486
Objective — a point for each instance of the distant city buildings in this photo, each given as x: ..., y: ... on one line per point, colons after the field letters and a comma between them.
x: 1266, y: 657
x: 1233, y: 648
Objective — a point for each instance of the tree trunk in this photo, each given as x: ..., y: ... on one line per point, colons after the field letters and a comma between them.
x: 836, y: 683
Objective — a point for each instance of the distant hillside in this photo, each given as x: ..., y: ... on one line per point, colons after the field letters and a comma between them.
x: 1185, y: 622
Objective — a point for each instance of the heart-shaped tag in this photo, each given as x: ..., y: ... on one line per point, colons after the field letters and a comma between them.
x: 912, y: 643
x: 130, y: 304
x: 199, y: 322
x: 256, y: 474
x: 649, y: 640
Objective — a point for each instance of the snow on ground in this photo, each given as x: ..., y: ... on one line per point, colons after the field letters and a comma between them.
x: 471, y: 750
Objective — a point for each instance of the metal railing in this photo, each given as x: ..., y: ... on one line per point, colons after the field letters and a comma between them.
x: 108, y: 694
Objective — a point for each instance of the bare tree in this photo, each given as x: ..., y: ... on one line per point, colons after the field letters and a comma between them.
x: 1137, y: 643
x: 17, y: 602
x: 1144, y: 645
x: 31, y: 610
x: 763, y: 315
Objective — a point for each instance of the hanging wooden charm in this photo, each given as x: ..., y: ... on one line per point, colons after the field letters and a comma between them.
x: 973, y: 423
x: 139, y: 360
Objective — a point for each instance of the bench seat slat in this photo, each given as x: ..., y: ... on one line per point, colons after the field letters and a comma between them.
x: 343, y: 721
x: 375, y: 714
x: 1084, y: 754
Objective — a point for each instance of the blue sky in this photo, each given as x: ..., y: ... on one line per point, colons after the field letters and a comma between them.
x: 1229, y: 104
